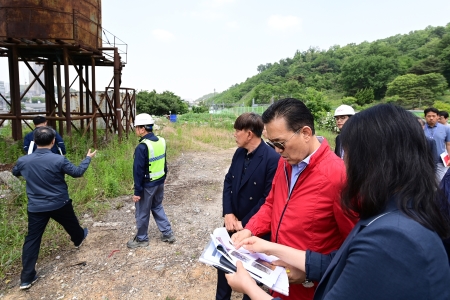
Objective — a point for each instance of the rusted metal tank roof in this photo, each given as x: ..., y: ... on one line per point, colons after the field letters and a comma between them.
x: 71, y: 21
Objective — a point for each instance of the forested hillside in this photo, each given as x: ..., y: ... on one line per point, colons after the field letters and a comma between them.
x: 412, y: 70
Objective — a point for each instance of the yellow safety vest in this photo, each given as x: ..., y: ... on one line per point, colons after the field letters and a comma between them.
x: 156, y: 157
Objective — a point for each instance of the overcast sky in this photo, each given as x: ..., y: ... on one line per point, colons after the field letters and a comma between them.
x: 191, y: 47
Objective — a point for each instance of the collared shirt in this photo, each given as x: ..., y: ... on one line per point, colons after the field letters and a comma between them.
x: 297, y: 169
x: 247, y: 161
x: 440, y: 134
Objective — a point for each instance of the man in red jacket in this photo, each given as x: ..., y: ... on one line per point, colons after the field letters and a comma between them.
x: 303, y: 208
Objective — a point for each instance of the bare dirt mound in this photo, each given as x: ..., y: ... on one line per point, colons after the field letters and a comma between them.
x: 104, y: 268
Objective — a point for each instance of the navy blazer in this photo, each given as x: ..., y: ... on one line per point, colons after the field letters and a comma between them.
x: 243, y: 198
x: 389, y: 256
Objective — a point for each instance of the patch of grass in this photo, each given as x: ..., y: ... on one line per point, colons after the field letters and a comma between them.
x: 195, y: 135
x: 10, y: 150
x: 12, y: 232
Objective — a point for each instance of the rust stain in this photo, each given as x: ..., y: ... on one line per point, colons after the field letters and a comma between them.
x: 73, y: 21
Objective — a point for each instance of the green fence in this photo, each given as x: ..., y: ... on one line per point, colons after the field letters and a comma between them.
x: 238, y: 110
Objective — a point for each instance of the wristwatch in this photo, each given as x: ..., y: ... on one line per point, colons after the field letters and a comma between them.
x: 308, y: 283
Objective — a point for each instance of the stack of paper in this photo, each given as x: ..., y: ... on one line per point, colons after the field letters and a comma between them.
x: 221, y: 254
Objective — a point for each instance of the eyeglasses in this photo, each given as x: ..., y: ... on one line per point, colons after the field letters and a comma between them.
x: 340, y: 117
x: 280, y: 145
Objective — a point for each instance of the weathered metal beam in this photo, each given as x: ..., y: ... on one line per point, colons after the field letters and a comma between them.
x: 13, y: 61
x: 97, y: 108
x: 86, y: 80
x: 81, y: 98
x: 50, y: 101
x: 67, y: 90
x: 28, y: 117
x: 117, y: 106
x: 60, y: 98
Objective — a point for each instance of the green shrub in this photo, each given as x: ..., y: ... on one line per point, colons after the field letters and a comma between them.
x: 327, y: 122
x: 364, y: 96
x: 349, y: 101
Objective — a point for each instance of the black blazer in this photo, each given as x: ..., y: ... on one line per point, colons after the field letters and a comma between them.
x: 243, y: 198
x: 338, y: 146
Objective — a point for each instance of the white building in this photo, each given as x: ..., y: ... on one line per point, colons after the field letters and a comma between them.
x: 36, y: 89
x: 3, y: 93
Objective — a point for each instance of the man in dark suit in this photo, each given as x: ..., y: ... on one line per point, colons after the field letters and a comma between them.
x: 247, y: 183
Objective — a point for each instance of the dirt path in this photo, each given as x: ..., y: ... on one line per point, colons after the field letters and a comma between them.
x: 103, y: 268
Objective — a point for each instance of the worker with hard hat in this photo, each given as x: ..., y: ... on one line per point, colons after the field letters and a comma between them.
x: 341, y: 115
x: 149, y: 173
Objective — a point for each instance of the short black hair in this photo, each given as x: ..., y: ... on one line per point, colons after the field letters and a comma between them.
x: 387, y: 157
x: 431, y: 109
x: 294, y: 112
x: 443, y: 113
x: 44, y: 135
x: 148, y: 128
x: 250, y: 121
x: 39, y: 120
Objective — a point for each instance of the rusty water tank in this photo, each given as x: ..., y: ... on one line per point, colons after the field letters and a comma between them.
x: 69, y: 21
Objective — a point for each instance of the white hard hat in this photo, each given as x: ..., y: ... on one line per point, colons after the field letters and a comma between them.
x: 344, y: 110
x: 143, y: 119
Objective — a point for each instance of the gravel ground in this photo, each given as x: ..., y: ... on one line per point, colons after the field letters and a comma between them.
x: 103, y: 268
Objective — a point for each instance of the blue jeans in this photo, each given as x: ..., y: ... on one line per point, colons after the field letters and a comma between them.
x: 37, y: 221
x: 151, y: 201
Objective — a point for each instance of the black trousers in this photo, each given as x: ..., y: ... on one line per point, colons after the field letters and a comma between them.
x: 37, y: 221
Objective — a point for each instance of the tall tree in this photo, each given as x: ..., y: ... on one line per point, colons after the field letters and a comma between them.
x: 160, y: 104
x: 416, y: 90
x: 316, y: 102
x: 429, y: 65
x: 445, y: 58
x: 374, y: 71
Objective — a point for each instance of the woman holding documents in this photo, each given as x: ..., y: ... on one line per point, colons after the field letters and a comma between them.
x: 395, y: 251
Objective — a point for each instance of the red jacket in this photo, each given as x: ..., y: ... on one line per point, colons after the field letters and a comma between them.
x: 312, y: 217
